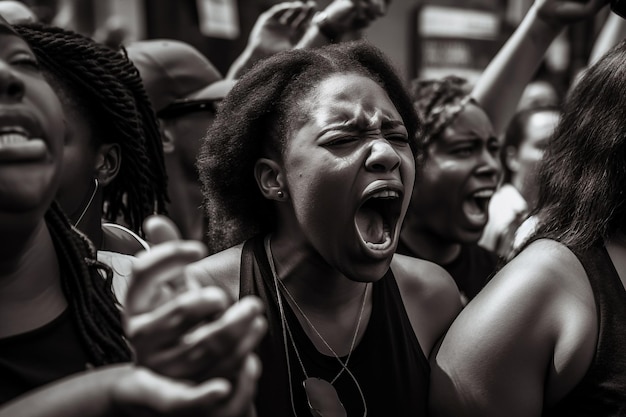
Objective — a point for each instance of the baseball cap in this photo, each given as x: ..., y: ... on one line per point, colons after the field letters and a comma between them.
x: 175, y: 73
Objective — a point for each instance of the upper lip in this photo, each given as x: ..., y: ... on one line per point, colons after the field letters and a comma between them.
x: 14, y: 121
x: 382, y: 185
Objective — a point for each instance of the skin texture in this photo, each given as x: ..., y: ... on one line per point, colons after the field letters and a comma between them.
x: 461, y: 162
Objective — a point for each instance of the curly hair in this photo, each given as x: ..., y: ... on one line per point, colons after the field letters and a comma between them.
x: 93, y: 307
x: 583, y: 171
x: 103, y: 85
x: 259, y: 113
x: 438, y: 102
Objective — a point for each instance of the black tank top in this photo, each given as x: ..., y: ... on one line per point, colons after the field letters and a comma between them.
x: 602, y: 391
x: 388, y: 363
x: 38, y: 357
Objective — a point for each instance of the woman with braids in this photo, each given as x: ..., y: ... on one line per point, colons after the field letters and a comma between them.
x: 307, y: 173
x: 113, y: 156
x: 546, y: 336
x: 461, y: 165
x: 58, y: 315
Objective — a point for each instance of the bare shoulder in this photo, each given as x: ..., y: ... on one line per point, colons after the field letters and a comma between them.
x: 430, y: 295
x: 222, y: 268
x: 536, y: 320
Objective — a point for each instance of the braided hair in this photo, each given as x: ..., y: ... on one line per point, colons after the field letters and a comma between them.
x: 92, y: 305
x: 106, y: 88
x: 438, y: 102
x: 260, y: 113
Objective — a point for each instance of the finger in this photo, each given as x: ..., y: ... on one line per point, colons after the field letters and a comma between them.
x: 159, y: 229
x: 174, y: 397
x: 164, y: 264
x: 289, y: 15
x: 304, y: 17
x: 167, y: 323
x: 213, y: 349
x: 241, y: 400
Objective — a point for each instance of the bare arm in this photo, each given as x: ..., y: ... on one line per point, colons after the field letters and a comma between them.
x: 522, y: 343
x: 613, y: 31
x: 501, y: 85
x: 118, y: 390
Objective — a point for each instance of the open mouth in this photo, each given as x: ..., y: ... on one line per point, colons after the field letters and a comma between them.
x: 377, y: 217
x: 12, y: 139
x: 16, y: 144
x: 476, y: 205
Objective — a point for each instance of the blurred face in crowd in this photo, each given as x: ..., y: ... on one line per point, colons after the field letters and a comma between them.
x: 185, y: 132
x: 349, y: 171
x: 31, y: 129
x: 523, y: 161
x: 458, y: 177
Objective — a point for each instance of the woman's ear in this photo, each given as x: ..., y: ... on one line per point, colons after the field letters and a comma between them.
x: 269, y: 177
x: 108, y: 162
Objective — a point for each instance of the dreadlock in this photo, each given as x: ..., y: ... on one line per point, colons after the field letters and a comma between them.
x: 107, y: 89
x: 437, y: 103
x: 91, y: 301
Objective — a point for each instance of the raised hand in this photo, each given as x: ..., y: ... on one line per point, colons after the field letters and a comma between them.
x: 280, y: 27
x: 344, y: 16
x: 178, y: 328
x: 562, y: 12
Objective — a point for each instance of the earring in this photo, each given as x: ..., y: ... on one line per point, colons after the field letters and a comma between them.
x: 88, y: 203
x: 280, y: 194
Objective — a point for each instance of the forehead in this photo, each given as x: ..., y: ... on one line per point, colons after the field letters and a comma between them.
x: 346, y: 95
x: 472, y: 121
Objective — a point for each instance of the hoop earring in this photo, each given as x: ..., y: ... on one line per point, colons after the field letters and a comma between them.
x: 88, y: 203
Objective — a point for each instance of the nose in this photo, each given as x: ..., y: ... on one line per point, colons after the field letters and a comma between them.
x: 383, y: 157
x: 11, y: 87
x: 489, y: 164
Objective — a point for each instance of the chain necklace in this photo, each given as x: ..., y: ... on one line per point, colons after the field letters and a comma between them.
x: 309, y: 382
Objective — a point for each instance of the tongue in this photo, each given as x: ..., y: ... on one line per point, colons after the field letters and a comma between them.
x: 370, y: 224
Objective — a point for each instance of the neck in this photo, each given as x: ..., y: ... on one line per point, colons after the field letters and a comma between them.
x: 315, y: 284
x: 325, y: 302
x: 30, y: 284
x: 426, y: 245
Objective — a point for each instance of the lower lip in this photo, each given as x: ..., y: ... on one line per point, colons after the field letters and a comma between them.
x: 34, y: 149
x: 379, y: 250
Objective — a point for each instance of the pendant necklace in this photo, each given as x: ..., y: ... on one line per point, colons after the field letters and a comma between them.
x: 322, y: 397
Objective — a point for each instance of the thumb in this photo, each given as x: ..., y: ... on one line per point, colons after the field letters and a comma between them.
x: 160, y: 229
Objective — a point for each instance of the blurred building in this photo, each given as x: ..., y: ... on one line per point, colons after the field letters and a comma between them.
x: 422, y: 37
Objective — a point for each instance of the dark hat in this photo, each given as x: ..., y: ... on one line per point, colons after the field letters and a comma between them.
x: 174, y: 73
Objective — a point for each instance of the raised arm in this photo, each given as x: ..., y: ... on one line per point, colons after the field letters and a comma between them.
x: 340, y: 20
x: 501, y: 85
x: 613, y: 31
x: 277, y: 29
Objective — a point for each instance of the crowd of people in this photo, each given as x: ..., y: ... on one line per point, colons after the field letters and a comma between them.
x: 308, y: 234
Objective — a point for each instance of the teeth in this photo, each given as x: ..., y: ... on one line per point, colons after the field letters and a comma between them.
x: 483, y: 194
x: 12, y: 139
x: 386, y: 194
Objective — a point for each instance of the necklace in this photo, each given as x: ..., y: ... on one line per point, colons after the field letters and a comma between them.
x: 321, y: 395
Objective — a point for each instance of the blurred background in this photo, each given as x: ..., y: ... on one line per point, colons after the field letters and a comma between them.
x: 423, y: 38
